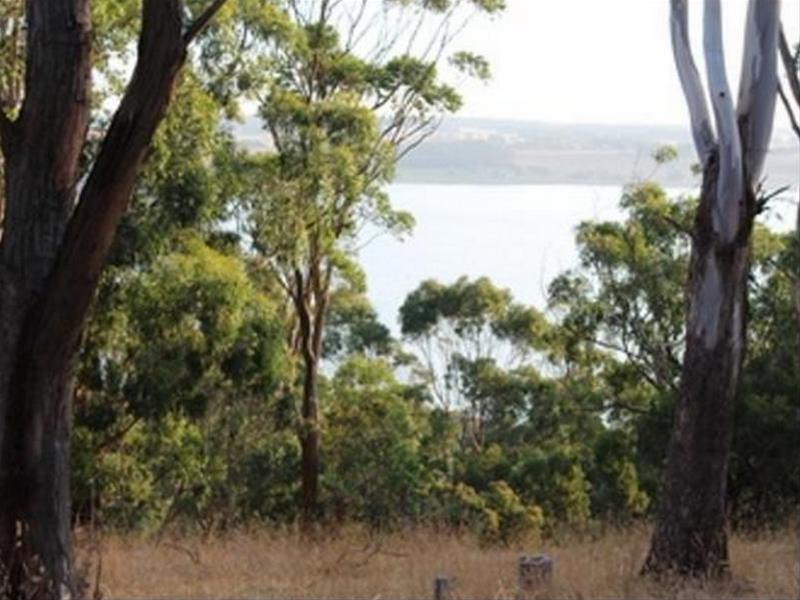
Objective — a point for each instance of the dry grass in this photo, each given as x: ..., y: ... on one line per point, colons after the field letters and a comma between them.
x: 266, y: 564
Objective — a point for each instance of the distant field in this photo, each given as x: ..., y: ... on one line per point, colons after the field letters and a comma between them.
x: 265, y: 564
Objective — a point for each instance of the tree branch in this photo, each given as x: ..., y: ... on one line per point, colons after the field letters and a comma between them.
x: 704, y: 139
x: 199, y: 24
x: 729, y: 209
x: 789, y: 66
x: 759, y: 85
x: 789, y: 111
x: 105, y: 196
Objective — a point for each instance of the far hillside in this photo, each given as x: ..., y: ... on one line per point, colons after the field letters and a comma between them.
x: 487, y: 151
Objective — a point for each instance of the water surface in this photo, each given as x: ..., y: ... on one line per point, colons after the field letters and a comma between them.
x: 519, y: 236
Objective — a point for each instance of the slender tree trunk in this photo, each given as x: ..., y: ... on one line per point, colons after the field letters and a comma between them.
x: 311, y: 302
x: 310, y: 442
x: 690, y: 536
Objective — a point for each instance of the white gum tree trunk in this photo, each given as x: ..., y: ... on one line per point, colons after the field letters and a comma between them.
x: 690, y: 534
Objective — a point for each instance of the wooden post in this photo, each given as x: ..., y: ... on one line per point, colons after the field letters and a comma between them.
x: 443, y: 588
x: 534, y: 573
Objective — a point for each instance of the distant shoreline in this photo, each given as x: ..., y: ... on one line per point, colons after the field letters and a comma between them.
x: 452, y: 181
x: 498, y: 152
x: 414, y: 179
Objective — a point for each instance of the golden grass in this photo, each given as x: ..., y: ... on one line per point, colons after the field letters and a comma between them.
x: 270, y: 564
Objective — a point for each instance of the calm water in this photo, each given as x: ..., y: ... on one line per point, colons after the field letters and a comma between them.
x: 519, y: 236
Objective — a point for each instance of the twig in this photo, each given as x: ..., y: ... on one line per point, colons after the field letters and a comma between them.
x: 789, y: 110
x: 202, y: 21
x: 193, y: 555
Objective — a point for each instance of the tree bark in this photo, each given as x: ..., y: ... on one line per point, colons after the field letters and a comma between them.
x: 690, y: 536
x: 51, y: 258
x: 41, y: 151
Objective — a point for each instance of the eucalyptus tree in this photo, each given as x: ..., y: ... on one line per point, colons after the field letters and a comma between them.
x: 690, y: 536
x: 346, y: 89
x: 625, y: 296
x: 463, y: 331
x: 59, y: 221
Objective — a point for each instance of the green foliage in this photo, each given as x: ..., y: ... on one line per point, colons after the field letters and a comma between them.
x: 627, y: 296
x: 189, y: 182
x: 373, y: 463
x: 616, y: 492
x: 622, y: 315
x: 461, y: 328
x: 502, y: 420
x: 665, y: 154
x: 496, y: 516
x: 353, y: 327
x: 472, y: 64
x: 183, y: 343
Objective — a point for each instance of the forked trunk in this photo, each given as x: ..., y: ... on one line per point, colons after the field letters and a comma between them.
x: 690, y: 535
x: 52, y: 254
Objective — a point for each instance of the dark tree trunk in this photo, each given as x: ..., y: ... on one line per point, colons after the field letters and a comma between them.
x: 42, y: 149
x: 308, y: 344
x: 309, y: 444
x: 690, y: 535
x: 51, y: 257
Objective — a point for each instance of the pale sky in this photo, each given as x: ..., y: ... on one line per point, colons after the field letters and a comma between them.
x: 594, y: 61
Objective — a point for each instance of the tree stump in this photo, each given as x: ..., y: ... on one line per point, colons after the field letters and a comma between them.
x: 535, y: 572
x: 443, y: 588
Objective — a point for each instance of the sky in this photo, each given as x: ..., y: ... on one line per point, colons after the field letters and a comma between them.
x: 595, y: 61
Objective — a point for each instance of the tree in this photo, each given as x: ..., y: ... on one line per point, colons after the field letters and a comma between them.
x: 374, y: 468
x: 462, y: 332
x: 620, y: 313
x: 188, y: 345
x: 625, y: 298
x: 690, y: 536
x: 339, y: 118
x: 58, y: 226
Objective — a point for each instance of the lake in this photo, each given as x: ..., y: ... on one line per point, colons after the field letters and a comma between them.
x: 521, y: 237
